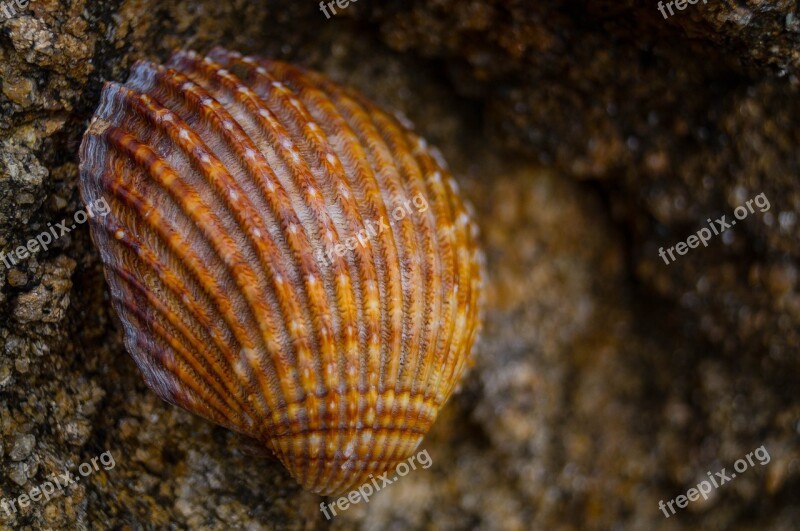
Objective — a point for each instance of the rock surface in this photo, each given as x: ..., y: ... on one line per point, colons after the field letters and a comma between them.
x: 587, y: 134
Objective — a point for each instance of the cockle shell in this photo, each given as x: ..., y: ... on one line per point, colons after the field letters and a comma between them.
x: 239, y: 260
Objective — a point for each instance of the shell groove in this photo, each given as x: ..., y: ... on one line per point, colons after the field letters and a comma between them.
x: 287, y: 260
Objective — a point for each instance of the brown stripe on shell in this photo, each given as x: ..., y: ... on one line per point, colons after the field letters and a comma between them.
x: 234, y: 184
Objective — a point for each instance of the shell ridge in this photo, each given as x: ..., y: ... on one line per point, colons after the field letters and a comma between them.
x: 350, y: 435
x: 364, y: 285
x: 161, y: 362
x: 448, y: 250
x: 209, y: 362
x: 340, y: 271
x: 249, y: 222
x: 221, y: 413
x: 312, y: 394
x: 474, y: 305
x: 216, y: 173
x: 152, y: 263
x: 447, y: 257
x: 416, y: 232
x: 376, y: 289
x: 353, y: 156
x: 294, y: 167
x: 241, y: 139
x: 172, y: 238
x: 431, y: 266
x: 466, y: 299
x: 359, y: 122
x: 379, y: 154
x: 188, y: 399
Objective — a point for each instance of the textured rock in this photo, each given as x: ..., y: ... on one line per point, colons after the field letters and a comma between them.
x: 23, y: 446
x: 588, y: 134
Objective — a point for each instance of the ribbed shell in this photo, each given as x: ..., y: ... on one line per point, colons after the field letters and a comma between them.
x: 231, y: 181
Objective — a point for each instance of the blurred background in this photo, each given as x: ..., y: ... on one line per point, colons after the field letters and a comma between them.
x: 587, y: 135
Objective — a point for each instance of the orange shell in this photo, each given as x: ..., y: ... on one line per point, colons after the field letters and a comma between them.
x: 287, y: 260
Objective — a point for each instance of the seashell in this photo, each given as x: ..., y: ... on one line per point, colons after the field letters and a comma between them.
x: 257, y: 257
